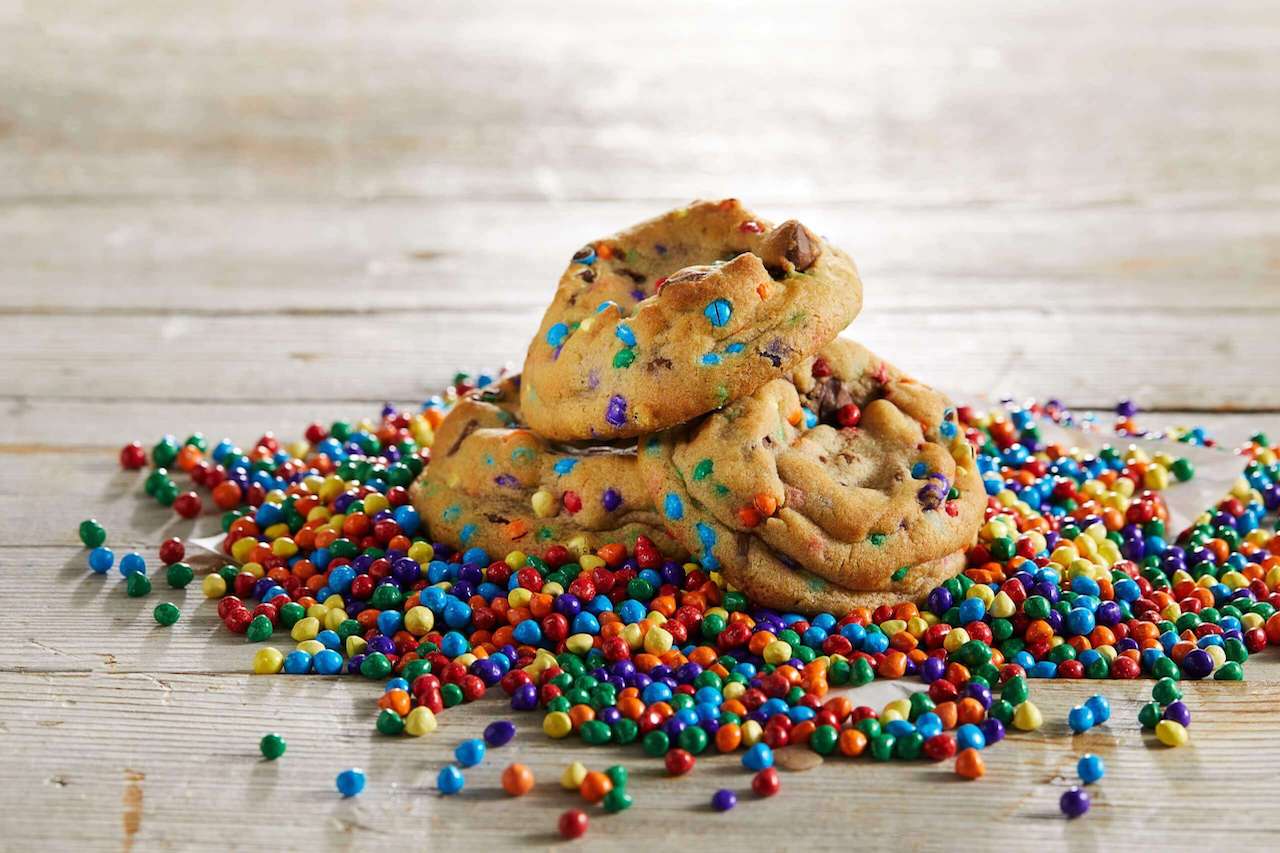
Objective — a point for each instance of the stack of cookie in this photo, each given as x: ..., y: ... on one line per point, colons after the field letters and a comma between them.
x: 687, y: 386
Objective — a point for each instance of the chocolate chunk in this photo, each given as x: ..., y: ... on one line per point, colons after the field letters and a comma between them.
x: 688, y: 275
x: 638, y: 278
x: 792, y: 242
x: 471, y: 426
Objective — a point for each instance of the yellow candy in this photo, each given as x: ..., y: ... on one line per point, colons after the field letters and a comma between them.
x: 579, y: 644
x: 1027, y: 717
x: 1086, y: 545
x: 633, y: 636
x: 658, y: 641
x: 1156, y: 478
x: 1109, y: 552
x: 1002, y: 606
x: 557, y: 725
x: 734, y: 690
x: 275, y: 496
x: 312, y: 483
x: 465, y: 660
x: 955, y: 638
x: 305, y: 628
x: 571, y: 778
x: 890, y: 715
x: 422, y: 552
x: 319, y: 513
x: 317, y: 611
x: 544, y: 503
x: 284, y: 547
x: 1251, y: 621
x: 1235, y: 580
x: 275, y: 531
x: 590, y: 562
x: 1136, y: 454
x: 916, y: 626
x: 1170, y: 733
x: 1005, y: 497
x: 311, y: 647
x: 898, y: 706
x: 777, y: 652
x: 254, y: 569
x: 1064, y: 554
x: 752, y: 732
x: 419, y: 620
x: 267, y: 661
x: 332, y: 487
x: 1171, y: 611
x: 982, y: 591
x: 420, y: 721
x: 519, y: 597
x: 893, y: 626
x: 517, y: 560
x: 334, y: 618
x: 355, y: 645
x: 1124, y: 486
x: 1240, y: 489
x: 578, y: 547
x: 213, y: 586
x: 1218, y: 654
x: 375, y: 503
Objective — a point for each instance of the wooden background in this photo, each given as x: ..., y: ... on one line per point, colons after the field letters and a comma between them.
x: 233, y: 216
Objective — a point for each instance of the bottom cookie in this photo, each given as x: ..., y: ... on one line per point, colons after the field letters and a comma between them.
x: 766, y: 580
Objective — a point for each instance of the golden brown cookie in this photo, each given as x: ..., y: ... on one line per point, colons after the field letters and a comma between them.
x: 494, y: 484
x: 848, y: 473
x: 678, y: 316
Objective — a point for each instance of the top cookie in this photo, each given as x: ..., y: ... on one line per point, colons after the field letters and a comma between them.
x: 681, y: 315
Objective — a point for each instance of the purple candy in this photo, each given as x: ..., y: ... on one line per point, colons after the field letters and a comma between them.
x: 525, y: 698
x: 1074, y: 802
x: 499, y: 732
x: 616, y: 413
x: 611, y: 499
x: 723, y: 800
x: 1179, y: 713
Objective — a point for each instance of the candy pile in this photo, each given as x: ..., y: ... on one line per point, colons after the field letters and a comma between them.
x: 1075, y: 575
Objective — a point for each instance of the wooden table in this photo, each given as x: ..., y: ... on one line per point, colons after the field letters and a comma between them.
x: 233, y: 217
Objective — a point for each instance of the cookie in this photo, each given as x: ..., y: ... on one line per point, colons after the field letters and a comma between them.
x: 769, y: 581
x: 846, y: 475
x: 494, y: 484
x: 678, y: 316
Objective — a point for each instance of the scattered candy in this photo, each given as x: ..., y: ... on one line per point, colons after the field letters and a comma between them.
x: 470, y: 752
x: 499, y: 732
x: 1074, y: 802
x: 166, y: 613
x: 517, y: 780
x: 101, y: 559
x: 1170, y: 733
x: 272, y: 746
x: 450, y: 780
x: 723, y: 800
x: 573, y: 776
x: 92, y: 534
x: 350, y: 782
x: 1090, y: 768
x: 573, y: 824
x: 1079, y: 718
x: 970, y: 765
x: 766, y: 783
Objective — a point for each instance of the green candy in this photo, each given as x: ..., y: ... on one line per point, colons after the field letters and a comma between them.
x: 1150, y: 714
x: 862, y: 673
x: 1015, y: 690
x: 178, y: 575
x: 1182, y: 469
x: 165, y: 452
x: 734, y: 602
x: 166, y: 614
x: 166, y: 493
x: 595, y: 733
x: 1003, y: 548
x: 1099, y: 668
x: 92, y: 534
x: 617, y: 800
x: 390, y: 723
x: 559, y: 703
x: 838, y: 673
x: 1036, y: 607
x: 641, y: 590
x: 1229, y: 671
x: 376, y: 666
x: 625, y: 731
x: 1166, y: 667
x: 909, y: 746
x: 1002, y: 710
x: 617, y: 775
x: 198, y: 441
x: 823, y: 740
x: 415, y: 668
x: 693, y: 739
x: 451, y: 694
x: 1166, y: 691
x: 656, y: 743
x: 137, y: 585
x: 920, y: 704
x: 272, y: 746
x: 387, y: 597
x: 976, y: 653
x: 260, y: 628
x: 870, y: 727
x: 882, y: 746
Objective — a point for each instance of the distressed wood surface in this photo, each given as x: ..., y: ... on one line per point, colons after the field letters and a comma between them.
x: 214, y: 218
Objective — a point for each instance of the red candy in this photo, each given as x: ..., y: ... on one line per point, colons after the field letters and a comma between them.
x: 132, y: 456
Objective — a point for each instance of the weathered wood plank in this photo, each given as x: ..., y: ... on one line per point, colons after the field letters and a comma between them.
x: 227, y: 258
x: 1164, y: 360
x: 934, y: 103
x: 158, y: 760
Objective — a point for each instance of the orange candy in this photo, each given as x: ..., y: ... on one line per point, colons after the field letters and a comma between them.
x: 517, y: 780
x: 852, y: 742
x: 595, y: 785
x: 969, y: 764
